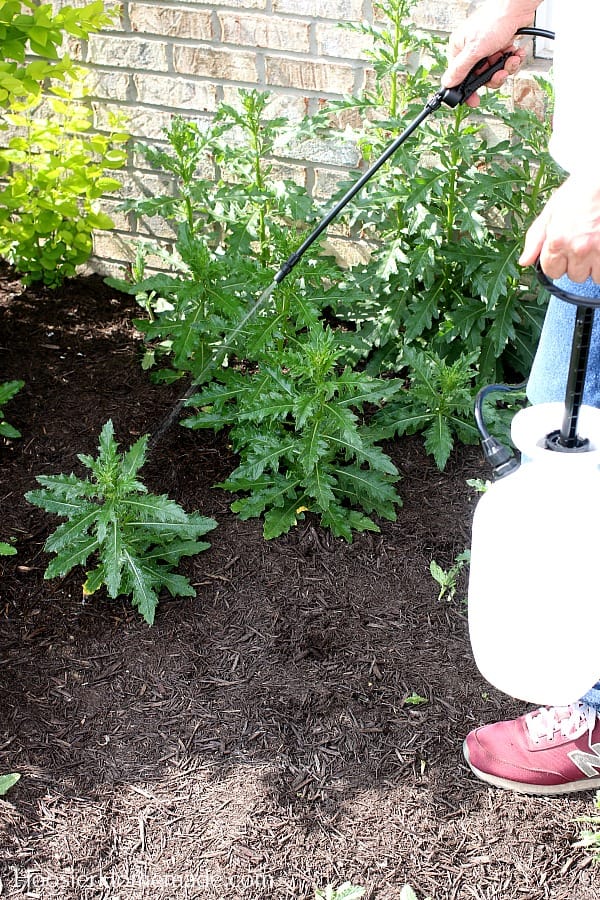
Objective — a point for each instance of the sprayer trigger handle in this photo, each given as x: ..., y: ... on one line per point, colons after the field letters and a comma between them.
x: 473, y: 81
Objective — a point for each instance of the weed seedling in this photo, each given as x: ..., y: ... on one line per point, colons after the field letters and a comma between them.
x: 589, y: 838
x: 479, y: 484
x: 448, y: 578
x: 135, y: 538
x: 414, y: 699
x: 345, y: 891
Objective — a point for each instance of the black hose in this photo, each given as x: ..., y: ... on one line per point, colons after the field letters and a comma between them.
x: 534, y: 31
x: 492, y: 389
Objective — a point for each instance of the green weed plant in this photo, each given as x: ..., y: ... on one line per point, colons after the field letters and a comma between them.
x: 446, y: 217
x: 133, y: 538
x: 296, y: 425
x: 447, y: 579
x: 437, y: 401
x: 290, y: 407
x: 228, y: 235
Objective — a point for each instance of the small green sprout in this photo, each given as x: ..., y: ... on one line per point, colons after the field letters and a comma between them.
x: 345, y: 891
x: 448, y: 578
x: 7, y: 781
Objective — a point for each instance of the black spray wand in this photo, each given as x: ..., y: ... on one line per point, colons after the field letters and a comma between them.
x: 479, y: 75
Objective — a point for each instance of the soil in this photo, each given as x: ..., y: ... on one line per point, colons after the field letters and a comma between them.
x: 259, y: 740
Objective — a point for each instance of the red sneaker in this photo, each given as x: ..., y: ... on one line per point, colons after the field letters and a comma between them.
x: 553, y: 750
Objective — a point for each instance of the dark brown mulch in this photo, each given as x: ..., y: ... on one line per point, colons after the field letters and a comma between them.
x: 258, y: 740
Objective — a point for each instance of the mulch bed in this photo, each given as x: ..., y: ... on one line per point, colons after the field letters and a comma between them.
x: 257, y: 741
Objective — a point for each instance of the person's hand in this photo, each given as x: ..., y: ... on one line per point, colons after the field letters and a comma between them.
x: 566, y: 234
x: 485, y: 35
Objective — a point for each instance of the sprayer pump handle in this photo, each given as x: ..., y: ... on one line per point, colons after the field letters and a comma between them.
x: 562, y: 294
x: 476, y: 78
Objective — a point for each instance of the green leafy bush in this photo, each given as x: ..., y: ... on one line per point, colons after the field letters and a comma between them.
x: 136, y: 537
x: 57, y: 171
x: 31, y: 39
x: 53, y: 167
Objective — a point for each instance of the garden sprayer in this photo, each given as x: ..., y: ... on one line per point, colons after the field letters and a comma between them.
x: 534, y: 610
x: 479, y: 75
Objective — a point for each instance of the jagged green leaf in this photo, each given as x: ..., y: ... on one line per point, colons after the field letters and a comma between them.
x: 438, y: 441
x: 66, y: 508
x: 112, y: 557
x: 371, y: 490
x: 144, y: 596
x: 172, y: 552
x: 151, y: 510
x: 75, y: 528
x: 264, y: 454
x: 343, y: 522
x: 135, y: 457
x: 76, y: 554
x: 320, y: 485
x: 8, y: 389
x: 279, y: 519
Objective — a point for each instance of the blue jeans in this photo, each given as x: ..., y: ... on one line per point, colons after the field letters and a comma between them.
x: 548, y: 380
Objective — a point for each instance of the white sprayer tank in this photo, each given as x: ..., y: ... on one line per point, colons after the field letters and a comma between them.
x: 534, y: 584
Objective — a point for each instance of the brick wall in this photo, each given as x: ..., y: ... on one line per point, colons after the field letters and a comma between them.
x: 186, y: 56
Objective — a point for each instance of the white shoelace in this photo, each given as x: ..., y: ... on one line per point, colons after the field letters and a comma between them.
x: 571, y: 721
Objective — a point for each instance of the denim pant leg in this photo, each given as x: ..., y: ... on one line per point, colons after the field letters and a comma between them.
x: 548, y: 380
